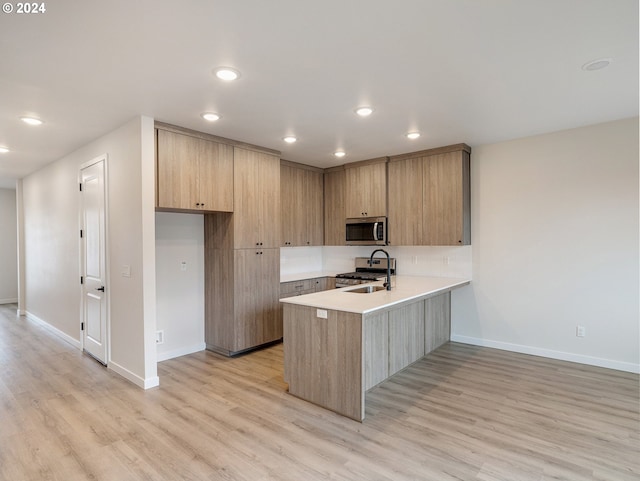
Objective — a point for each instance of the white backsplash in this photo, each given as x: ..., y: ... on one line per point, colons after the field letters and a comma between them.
x: 445, y: 261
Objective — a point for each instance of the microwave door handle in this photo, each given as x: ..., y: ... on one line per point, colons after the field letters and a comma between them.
x: 375, y: 231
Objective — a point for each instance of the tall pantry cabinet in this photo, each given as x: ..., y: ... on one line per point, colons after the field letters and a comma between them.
x: 242, y: 259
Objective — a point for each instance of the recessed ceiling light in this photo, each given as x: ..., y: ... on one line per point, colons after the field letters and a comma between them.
x: 211, y: 116
x: 339, y: 154
x: 226, y: 73
x: 3, y: 150
x: 289, y: 139
x: 31, y: 120
x: 364, y: 111
x: 413, y: 135
x: 597, y: 64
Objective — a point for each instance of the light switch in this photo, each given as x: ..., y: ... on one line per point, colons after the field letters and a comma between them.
x: 126, y: 271
x: 183, y: 266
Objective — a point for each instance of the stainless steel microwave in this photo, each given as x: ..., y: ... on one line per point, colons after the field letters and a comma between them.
x: 366, y: 231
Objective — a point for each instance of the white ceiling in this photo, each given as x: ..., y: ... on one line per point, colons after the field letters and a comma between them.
x: 474, y: 71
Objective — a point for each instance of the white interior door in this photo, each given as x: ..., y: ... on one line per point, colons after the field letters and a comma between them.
x: 93, y: 237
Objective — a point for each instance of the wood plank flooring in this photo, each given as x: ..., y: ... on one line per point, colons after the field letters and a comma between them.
x: 461, y: 413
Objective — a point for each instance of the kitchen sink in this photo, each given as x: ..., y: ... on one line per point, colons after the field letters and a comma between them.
x: 367, y: 289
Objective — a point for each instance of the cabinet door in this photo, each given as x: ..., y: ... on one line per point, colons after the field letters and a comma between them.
x: 178, y: 160
x: 405, y: 202
x: 301, y: 206
x: 366, y: 194
x: 291, y: 206
x: 312, y: 187
x: 334, y: 208
x: 446, y: 200
x: 256, y: 199
x: 257, y: 288
x: 215, y: 171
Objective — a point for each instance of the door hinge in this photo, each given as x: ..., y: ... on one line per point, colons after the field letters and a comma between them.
x: 80, y: 233
x: 81, y: 280
x: 82, y: 326
x: 80, y: 186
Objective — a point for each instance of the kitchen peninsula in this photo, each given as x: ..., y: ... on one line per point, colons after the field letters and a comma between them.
x: 340, y: 343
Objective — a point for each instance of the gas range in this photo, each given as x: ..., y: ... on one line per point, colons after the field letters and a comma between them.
x: 365, y: 273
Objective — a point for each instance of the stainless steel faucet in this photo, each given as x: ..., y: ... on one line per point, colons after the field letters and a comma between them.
x: 388, y: 283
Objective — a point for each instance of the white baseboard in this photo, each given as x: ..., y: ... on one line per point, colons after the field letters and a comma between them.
x: 183, y: 351
x: 65, y: 337
x: 9, y: 301
x: 132, y: 377
x: 537, y: 351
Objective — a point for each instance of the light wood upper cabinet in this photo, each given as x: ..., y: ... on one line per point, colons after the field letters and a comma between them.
x: 405, y: 202
x: 256, y: 184
x: 366, y: 189
x: 301, y: 205
x: 193, y: 174
x: 429, y: 197
x: 334, y: 207
x: 446, y: 204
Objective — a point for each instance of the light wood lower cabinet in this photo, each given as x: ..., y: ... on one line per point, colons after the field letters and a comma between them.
x: 242, y: 292
x: 332, y: 362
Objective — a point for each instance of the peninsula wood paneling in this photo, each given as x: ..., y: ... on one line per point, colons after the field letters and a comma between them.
x: 437, y: 321
x: 406, y: 336
x: 323, y: 362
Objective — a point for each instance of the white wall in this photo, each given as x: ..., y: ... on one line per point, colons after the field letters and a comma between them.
x: 51, y: 247
x: 555, y: 245
x: 8, y: 247
x: 180, y: 290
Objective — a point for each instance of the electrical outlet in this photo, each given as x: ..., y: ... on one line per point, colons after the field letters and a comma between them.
x: 159, y: 337
x: 581, y: 331
x: 321, y: 313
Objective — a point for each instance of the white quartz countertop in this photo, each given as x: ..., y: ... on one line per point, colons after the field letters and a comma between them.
x: 404, y: 288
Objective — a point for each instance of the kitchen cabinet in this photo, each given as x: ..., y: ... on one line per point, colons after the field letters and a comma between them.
x: 366, y: 188
x: 256, y: 184
x: 242, y: 292
x: 257, y: 317
x: 242, y: 259
x: 301, y: 201
x: 306, y: 286
x: 193, y: 174
x: 334, y: 206
x: 405, y: 202
x: 429, y: 197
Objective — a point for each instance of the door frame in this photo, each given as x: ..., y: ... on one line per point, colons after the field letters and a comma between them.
x: 104, y: 158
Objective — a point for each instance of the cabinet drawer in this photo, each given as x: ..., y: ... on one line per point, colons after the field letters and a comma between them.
x: 288, y: 289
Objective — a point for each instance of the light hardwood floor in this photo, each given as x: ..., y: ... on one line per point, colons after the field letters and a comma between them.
x: 461, y: 413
